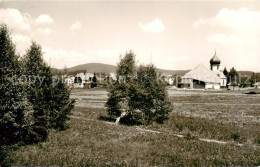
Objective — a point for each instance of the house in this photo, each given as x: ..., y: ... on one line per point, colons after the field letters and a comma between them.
x: 257, y: 85
x: 202, y: 77
x: 168, y: 78
x: 81, y: 79
x: 69, y: 80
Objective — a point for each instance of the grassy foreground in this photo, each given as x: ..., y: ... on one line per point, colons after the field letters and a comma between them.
x: 92, y: 142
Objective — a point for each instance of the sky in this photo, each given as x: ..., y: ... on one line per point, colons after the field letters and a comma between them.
x: 174, y: 35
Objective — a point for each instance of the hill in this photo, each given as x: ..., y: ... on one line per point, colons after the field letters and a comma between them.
x: 93, y: 67
x: 106, y: 68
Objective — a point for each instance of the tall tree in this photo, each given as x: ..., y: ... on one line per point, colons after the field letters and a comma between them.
x: 49, y: 96
x: 15, y: 109
x: 126, y: 66
x: 125, y: 71
x: 233, y: 77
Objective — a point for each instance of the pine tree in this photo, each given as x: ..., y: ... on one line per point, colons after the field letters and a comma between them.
x: 15, y: 109
x: 50, y: 98
x: 118, y: 91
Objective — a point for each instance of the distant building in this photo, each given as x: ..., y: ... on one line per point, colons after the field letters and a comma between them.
x: 203, y: 78
x: 257, y: 85
x: 81, y: 79
x: 69, y: 80
x: 168, y: 78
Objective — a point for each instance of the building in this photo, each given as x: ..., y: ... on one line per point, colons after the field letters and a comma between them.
x: 202, y: 77
x: 81, y: 79
x: 257, y: 85
x: 168, y: 78
x: 69, y: 80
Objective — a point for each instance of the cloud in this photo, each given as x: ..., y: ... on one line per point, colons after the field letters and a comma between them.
x: 43, y: 18
x: 76, y: 26
x: 43, y: 31
x: 15, y: 20
x: 238, y: 31
x: 19, y: 38
x: 156, y: 26
x: 60, y: 57
x: 21, y: 41
x: 239, y: 20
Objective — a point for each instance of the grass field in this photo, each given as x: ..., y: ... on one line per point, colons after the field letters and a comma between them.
x: 206, y: 128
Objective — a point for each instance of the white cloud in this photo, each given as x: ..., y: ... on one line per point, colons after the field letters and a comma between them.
x: 15, y: 20
x: 19, y: 38
x: 155, y: 26
x: 238, y: 31
x: 22, y: 42
x: 43, y: 18
x: 60, y: 57
x: 76, y: 26
x: 238, y: 20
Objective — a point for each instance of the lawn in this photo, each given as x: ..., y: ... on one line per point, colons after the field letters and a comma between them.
x: 206, y: 128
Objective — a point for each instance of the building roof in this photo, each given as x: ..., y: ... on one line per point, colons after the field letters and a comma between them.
x: 215, y: 59
x: 202, y: 73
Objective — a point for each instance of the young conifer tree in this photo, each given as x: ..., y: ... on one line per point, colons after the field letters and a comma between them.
x: 50, y: 98
x: 125, y: 72
x: 15, y: 109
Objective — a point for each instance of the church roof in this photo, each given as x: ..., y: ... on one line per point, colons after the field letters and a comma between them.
x: 215, y: 59
x: 202, y: 73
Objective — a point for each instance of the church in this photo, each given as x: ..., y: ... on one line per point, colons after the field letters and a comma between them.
x: 201, y: 77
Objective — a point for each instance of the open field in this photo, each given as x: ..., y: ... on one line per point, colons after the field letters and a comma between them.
x: 206, y: 128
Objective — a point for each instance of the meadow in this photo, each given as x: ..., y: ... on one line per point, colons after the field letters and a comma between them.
x: 205, y: 128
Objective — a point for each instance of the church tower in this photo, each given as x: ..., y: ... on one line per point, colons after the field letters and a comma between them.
x: 215, y: 63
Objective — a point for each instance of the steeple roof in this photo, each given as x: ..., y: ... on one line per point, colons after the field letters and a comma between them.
x: 215, y: 59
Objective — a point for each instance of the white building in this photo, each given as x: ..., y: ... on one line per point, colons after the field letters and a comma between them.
x: 168, y: 78
x: 81, y: 79
x: 69, y: 80
x: 257, y: 85
x: 202, y: 77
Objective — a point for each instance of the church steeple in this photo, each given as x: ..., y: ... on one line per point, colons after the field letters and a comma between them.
x: 215, y: 62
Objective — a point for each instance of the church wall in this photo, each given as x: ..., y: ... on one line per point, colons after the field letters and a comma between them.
x: 212, y: 86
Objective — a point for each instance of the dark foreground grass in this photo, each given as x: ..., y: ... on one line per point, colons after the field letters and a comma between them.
x: 93, y: 142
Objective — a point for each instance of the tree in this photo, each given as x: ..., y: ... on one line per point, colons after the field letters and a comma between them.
x: 126, y: 66
x: 253, y: 79
x: 50, y: 98
x: 225, y: 72
x: 148, y: 96
x: 15, y: 109
x: 94, y: 81
x: 233, y: 77
x: 118, y: 91
x: 142, y: 99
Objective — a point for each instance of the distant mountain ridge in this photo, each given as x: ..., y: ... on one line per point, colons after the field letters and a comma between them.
x: 107, y: 68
